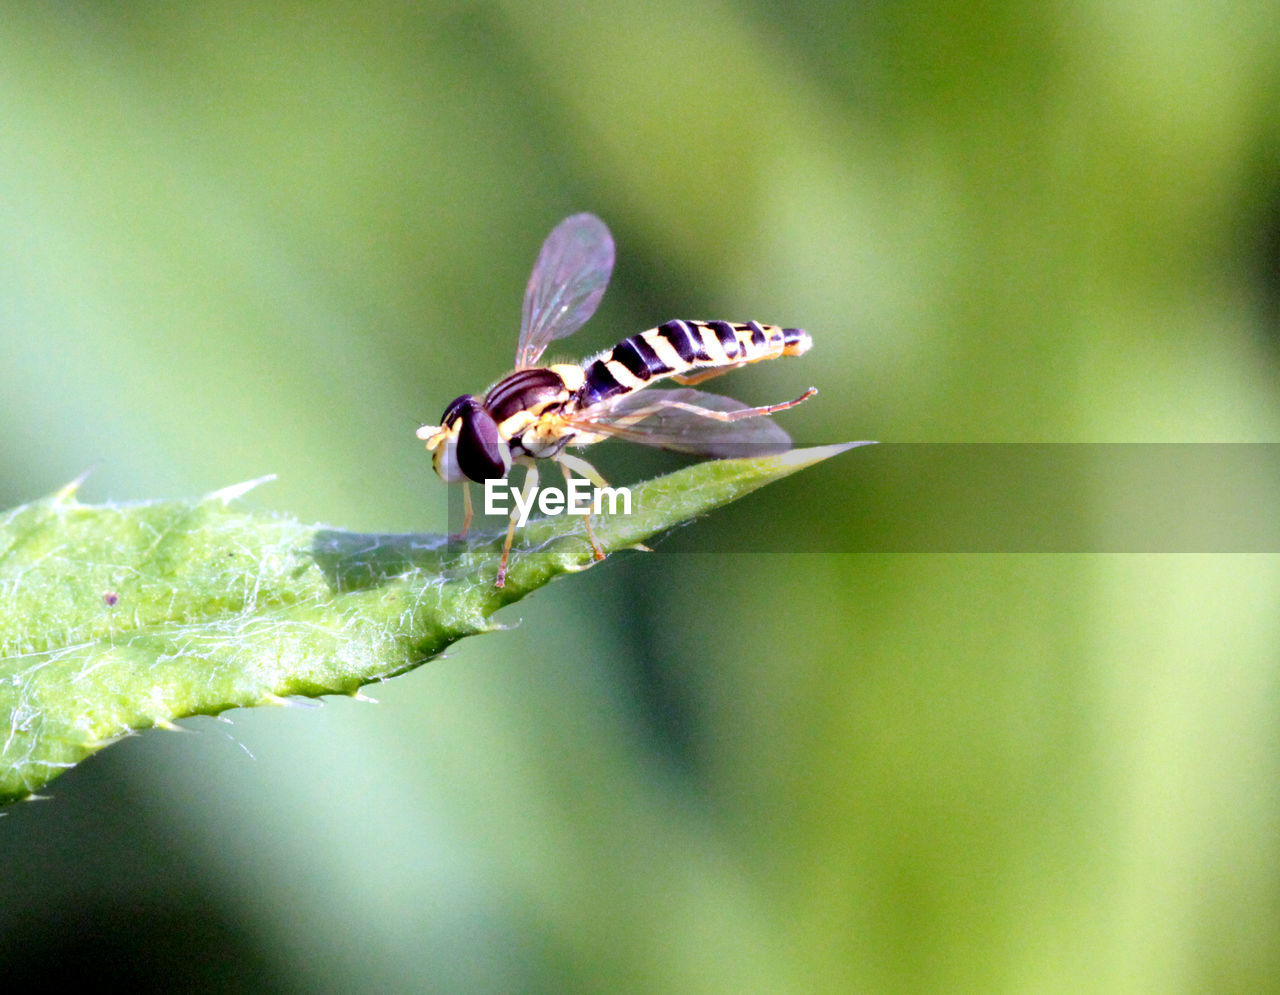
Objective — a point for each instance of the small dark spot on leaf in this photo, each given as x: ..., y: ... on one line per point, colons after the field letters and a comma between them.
x: 110, y: 598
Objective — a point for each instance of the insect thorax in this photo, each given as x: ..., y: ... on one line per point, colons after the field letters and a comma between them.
x: 523, y: 405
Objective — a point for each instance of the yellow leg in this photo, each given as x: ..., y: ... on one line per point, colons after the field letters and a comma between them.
x: 530, y: 485
x: 693, y: 409
x: 769, y: 409
x: 590, y: 472
x: 689, y: 379
x: 582, y: 468
x: 467, y: 511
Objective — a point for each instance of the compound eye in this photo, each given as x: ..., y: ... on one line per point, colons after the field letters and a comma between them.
x: 457, y: 408
x: 481, y: 453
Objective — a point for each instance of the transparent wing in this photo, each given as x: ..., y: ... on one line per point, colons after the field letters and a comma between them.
x: 687, y: 421
x: 566, y: 285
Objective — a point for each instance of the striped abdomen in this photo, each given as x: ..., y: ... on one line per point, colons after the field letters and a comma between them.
x: 683, y: 350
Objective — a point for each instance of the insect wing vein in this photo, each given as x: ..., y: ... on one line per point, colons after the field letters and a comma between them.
x: 566, y: 284
x: 686, y: 421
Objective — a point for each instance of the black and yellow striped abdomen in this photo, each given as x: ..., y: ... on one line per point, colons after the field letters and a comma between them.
x: 687, y: 351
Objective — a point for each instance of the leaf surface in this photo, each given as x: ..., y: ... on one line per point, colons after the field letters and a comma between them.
x: 116, y: 618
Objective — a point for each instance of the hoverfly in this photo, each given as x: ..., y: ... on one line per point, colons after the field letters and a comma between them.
x: 536, y: 412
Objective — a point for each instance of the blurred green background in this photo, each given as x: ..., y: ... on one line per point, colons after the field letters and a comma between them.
x: 239, y: 239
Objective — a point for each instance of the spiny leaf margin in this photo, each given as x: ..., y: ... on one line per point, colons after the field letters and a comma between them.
x: 116, y: 618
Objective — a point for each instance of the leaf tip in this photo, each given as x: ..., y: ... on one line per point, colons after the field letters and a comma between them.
x: 799, y: 458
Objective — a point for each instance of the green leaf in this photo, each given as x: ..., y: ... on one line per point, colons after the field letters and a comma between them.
x: 115, y: 618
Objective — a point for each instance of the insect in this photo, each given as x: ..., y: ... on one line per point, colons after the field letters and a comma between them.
x: 536, y: 412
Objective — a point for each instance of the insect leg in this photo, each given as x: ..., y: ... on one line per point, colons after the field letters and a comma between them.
x: 581, y: 467
x: 585, y: 469
x: 467, y: 511
x: 737, y: 415
x: 530, y: 485
x: 688, y: 380
x: 596, y: 479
